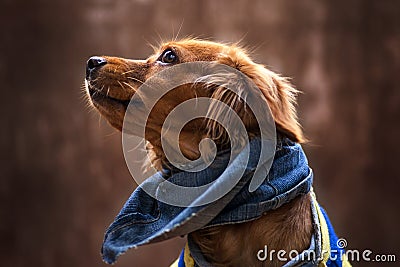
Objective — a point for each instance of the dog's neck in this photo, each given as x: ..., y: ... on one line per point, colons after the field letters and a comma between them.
x: 188, y: 144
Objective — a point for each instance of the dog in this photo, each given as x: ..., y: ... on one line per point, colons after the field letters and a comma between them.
x: 111, y: 82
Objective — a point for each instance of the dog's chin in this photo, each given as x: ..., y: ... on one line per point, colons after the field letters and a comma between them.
x: 112, y: 109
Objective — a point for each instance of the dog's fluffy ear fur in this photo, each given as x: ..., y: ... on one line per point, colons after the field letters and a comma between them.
x: 277, y: 90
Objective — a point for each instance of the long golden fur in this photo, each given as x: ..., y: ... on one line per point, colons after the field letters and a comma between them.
x: 112, y: 85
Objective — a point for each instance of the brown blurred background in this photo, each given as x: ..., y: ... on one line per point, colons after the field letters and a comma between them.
x: 63, y: 175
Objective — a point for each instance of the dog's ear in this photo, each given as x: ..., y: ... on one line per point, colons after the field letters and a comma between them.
x: 277, y: 90
x: 229, y: 88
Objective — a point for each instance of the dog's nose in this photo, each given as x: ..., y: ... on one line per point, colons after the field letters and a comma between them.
x: 94, y: 63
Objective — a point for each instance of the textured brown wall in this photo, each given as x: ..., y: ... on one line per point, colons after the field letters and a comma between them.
x: 63, y: 176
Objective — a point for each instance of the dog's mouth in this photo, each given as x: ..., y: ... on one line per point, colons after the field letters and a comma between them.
x: 112, y: 108
x: 100, y: 97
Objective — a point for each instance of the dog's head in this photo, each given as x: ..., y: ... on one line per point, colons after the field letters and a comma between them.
x: 111, y: 82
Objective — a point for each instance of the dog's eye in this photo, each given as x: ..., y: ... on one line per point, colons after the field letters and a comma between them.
x: 168, y: 56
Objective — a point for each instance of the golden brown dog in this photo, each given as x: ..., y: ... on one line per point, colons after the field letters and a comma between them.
x: 111, y: 82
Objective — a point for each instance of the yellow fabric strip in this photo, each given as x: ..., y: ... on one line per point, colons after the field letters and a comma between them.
x: 187, y: 258
x: 189, y: 262
x: 175, y: 264
x: 345, y: 261
x: 325, y: 246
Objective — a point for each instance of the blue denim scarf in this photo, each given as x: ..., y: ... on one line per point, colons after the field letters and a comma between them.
x: 144, y: 219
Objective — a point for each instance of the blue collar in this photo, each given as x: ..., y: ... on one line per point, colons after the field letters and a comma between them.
x: 144, y: 219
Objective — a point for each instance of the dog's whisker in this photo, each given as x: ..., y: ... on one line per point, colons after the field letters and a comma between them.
x: 111, y: 134
x: 99, y: 121
x: 196, y: 101
x: 135, y: 79
x: 128, y: 71
x: 160, y: 39
x: 120, y: 84
x: 179, y: 30
x: 127, y: 84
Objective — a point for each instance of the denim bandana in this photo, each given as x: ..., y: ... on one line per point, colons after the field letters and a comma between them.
x: 144, y: 219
